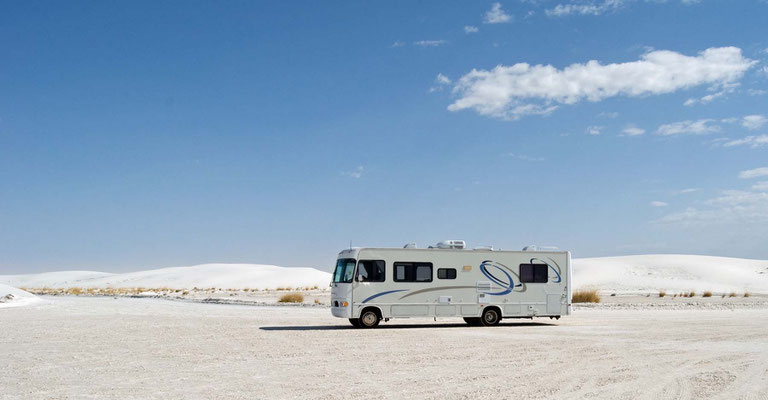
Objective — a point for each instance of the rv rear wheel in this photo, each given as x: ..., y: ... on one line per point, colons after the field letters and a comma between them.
x: 474, y: 321
x: 368, y: 319
x: 355, y: 322
x: 490, y: 317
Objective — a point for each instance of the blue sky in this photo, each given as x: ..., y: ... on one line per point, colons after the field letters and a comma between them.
x: 147, y: 134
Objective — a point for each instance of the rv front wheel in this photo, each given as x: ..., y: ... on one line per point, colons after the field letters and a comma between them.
x: 368, y: 319
x: 490, y: 317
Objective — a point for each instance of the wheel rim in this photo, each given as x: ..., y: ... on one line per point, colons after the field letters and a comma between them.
x: 369, y: 318
x: 490, y: 317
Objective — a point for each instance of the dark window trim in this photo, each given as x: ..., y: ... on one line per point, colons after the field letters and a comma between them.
x: 383, y: 272
x: 415, y: 265
x: 447, y: 270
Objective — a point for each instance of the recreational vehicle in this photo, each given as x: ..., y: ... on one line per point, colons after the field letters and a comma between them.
x: 481, y: 285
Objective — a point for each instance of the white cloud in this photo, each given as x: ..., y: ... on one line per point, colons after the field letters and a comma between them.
x: 751, y: 141
x: 753, y: 122
x: 608, y: 114
x: 496, y: 15
x: 658, y: 204
x: 761, y: 186
x: 704, y: 99
x: 594, y: 130
x: 524, y: 157
x: 398, y: 44
x: 471, y: 29
x: 510, y: 92
x: 687, y: 190
x: 442, y: 79
x: 753, y: 173
x: 355, y: 173
x: 700, y: 127
x: 690, y: 2
x: 591, y: 8
x: 632, y: 130
x: 430, y: 43
x: 732, y: 206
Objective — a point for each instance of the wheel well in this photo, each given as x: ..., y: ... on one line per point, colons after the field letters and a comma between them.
x: 497, y: 308
x: 374, y: 309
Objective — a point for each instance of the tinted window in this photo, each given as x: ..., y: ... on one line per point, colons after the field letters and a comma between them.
x: 534, y: 273
x: 370, y: 271
x: 446, y: 273
x: 413, y: 272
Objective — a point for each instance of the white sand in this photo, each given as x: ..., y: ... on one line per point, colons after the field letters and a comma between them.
x: 80, y: 347
x: 13, y: 297
x: 673, y: 273
x: 622, y: 275
x: 253, y: 276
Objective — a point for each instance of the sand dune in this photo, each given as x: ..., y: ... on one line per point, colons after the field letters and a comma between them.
x: 202, y: 276
x: 651, y: 273
x: 12, y: 297
x: 628, y: 274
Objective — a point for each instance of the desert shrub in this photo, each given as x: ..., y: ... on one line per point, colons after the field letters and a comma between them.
x: 732, y: 294
x: 746, y: 294
x: 586, y: 296
x: 291, y: 298
x: 707, y: 294
x: 692, y: 293
x: 75, y: 291
x: 662, y: 293
x: 317, y: 301
x: 184, y: 293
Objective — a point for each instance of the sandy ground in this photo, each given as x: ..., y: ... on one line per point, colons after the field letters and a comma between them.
x: 101, y: 347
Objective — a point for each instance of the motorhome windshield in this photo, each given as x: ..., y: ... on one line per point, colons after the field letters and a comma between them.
x: 345, y: 270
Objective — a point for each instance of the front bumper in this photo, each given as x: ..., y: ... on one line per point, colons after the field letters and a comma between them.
x: 338, y: 309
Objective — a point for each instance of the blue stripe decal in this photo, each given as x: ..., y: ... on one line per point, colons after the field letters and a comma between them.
x: 507, y: 286
x: 382, y: 294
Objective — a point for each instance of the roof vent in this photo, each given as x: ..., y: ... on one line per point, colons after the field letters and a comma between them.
x: 450, y: 244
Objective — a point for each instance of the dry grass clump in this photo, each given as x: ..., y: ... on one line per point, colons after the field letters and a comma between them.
x: 732, y: 294
x: 747, y: 294
x: 586, y: 296
x: 75, y: 291
x: 707, y: 294
x: 292, y: 298
x: 662, y: 293
x: 692, y: 293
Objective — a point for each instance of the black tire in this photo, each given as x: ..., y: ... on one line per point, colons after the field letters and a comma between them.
x: 355, y: 322
x: 369, y: 319
x: 490, y: 317
x: 473, y: 321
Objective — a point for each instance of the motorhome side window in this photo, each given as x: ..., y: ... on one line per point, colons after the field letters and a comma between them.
x: 370, y: 271
x: 413, y: 272
x: 446, y: 273
x: 534, y: 273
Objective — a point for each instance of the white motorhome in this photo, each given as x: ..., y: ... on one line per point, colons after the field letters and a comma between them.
x: 481, y: 285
